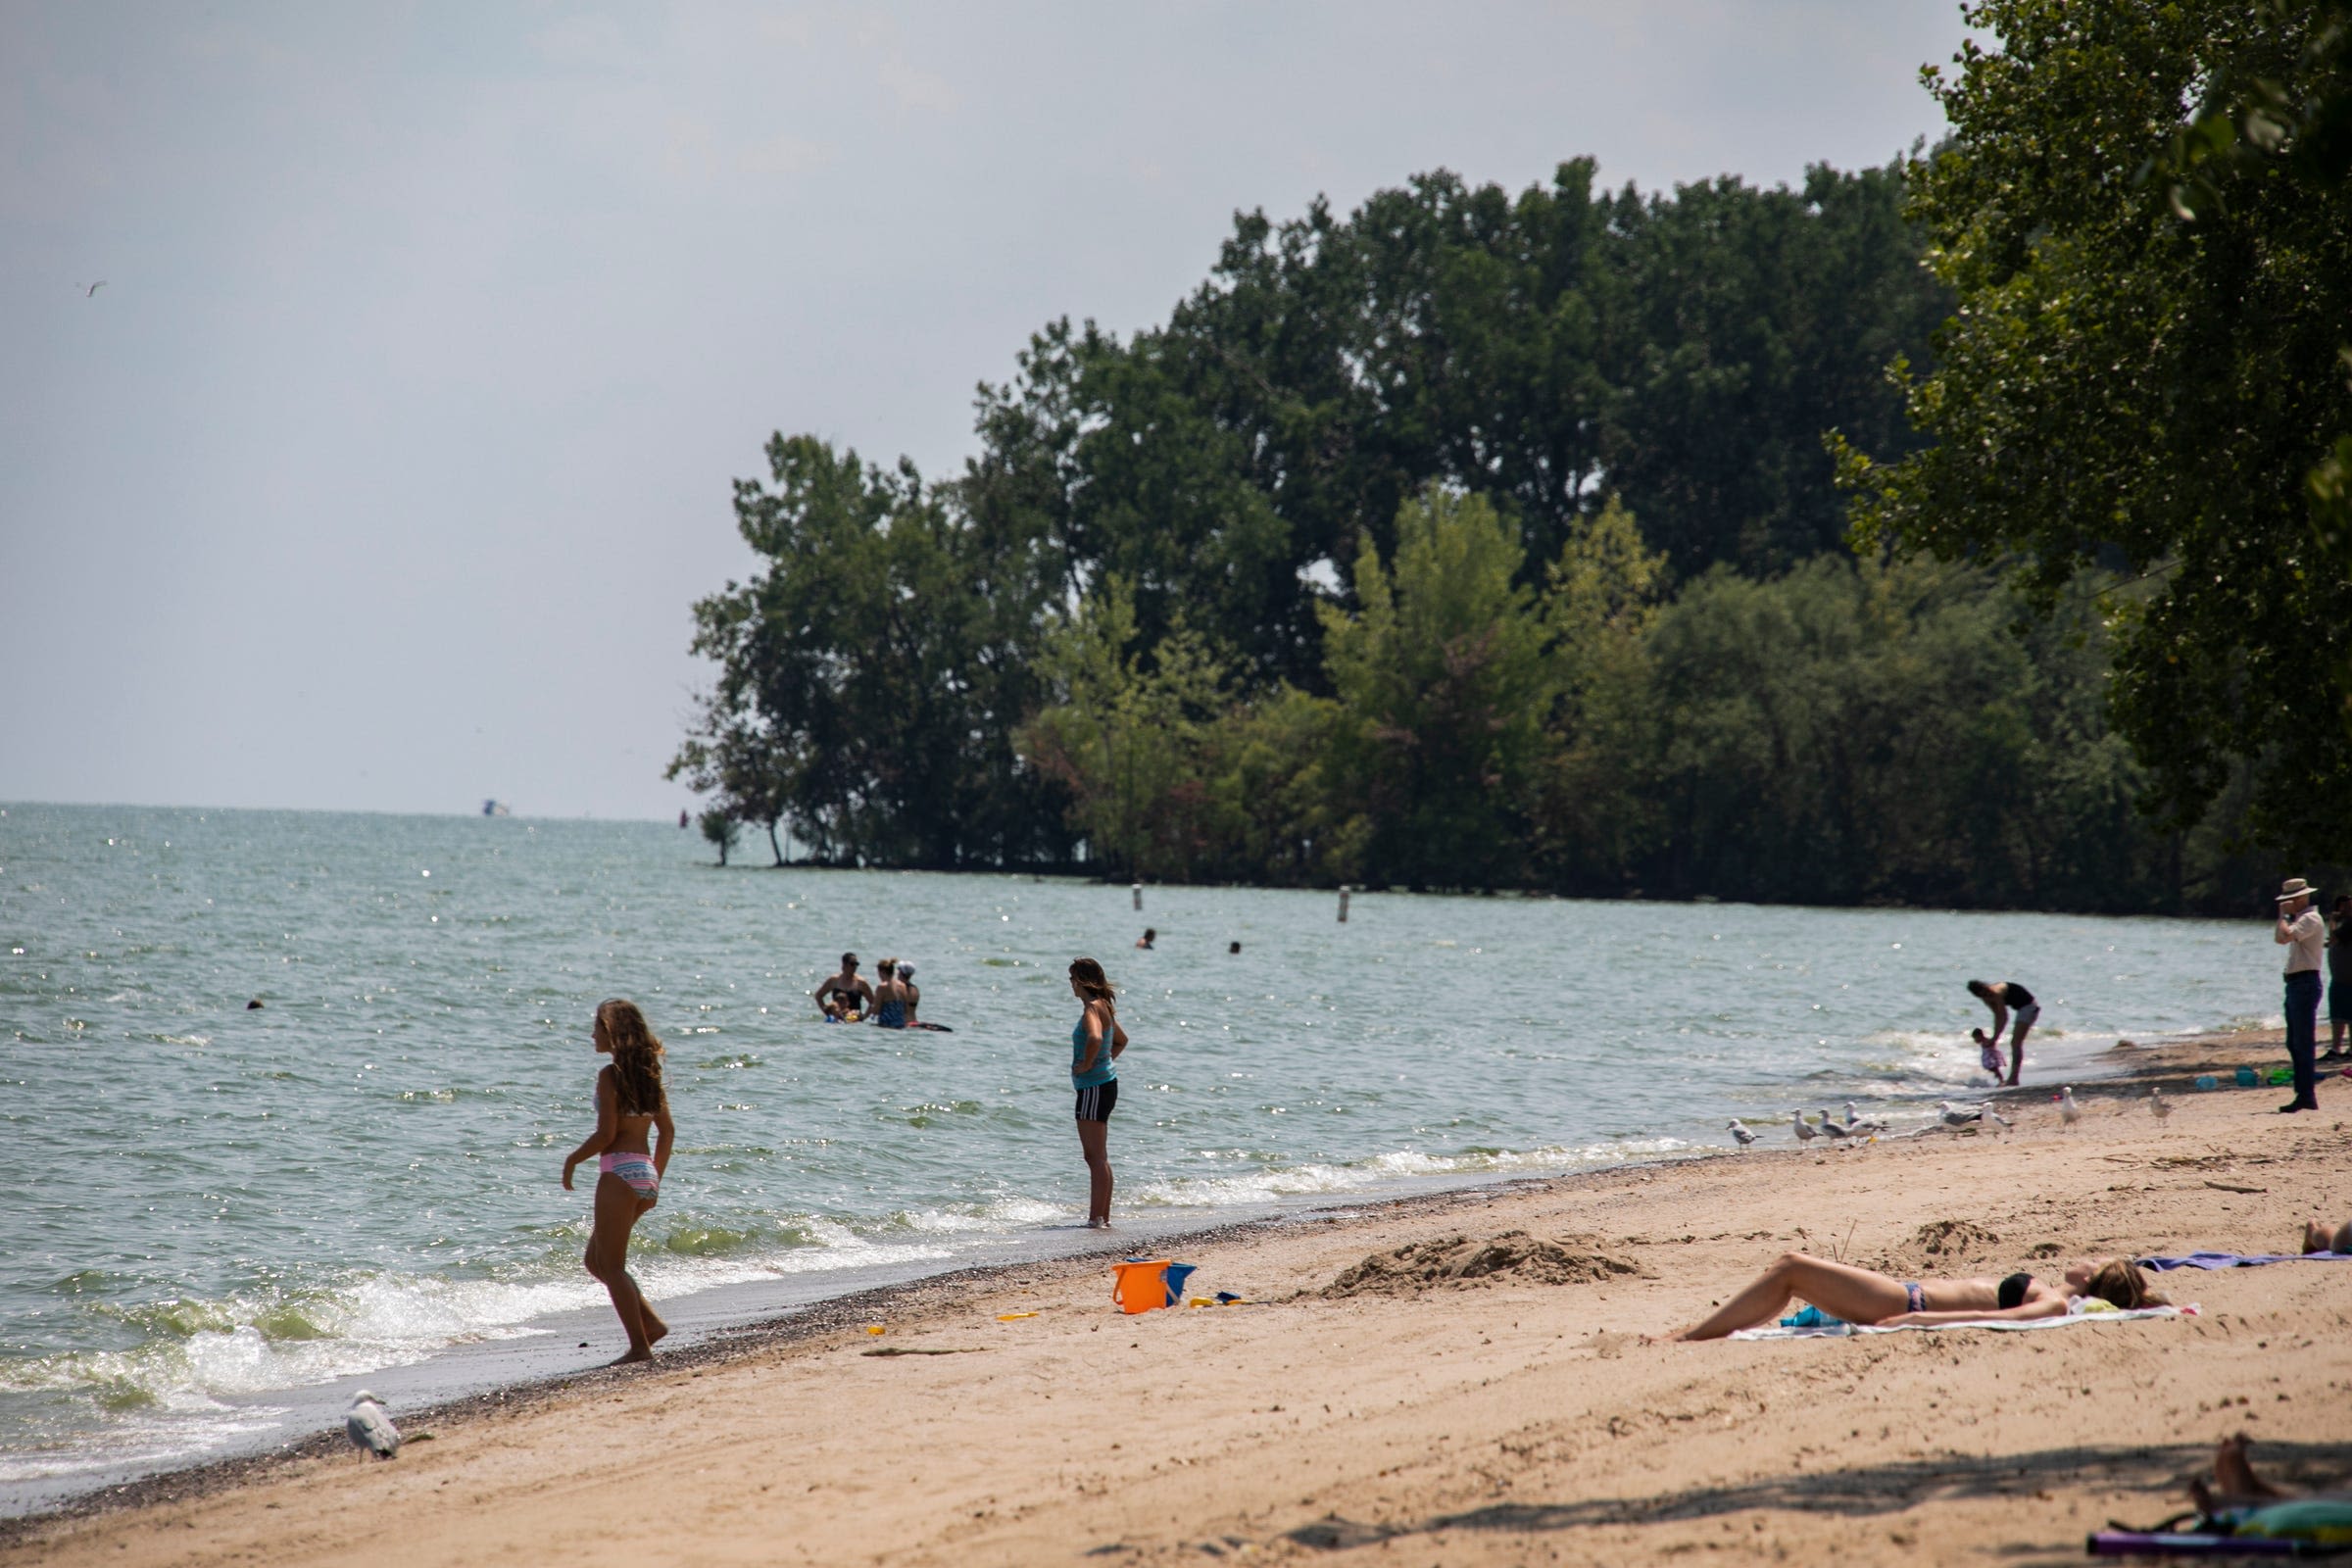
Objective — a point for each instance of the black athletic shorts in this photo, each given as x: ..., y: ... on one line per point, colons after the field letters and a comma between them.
x: 1094, y: 1103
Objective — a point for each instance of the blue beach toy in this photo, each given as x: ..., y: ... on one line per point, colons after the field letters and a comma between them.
x: 1176, y: 1274
x: 2246, y: 1078
x: 2206, y: 1080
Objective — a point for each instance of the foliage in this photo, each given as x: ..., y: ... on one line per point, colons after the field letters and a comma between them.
x: 1542, y: 350
x: 720, y: 829
x: 2151, y: 383
x: 1335, y: 576
x: 871, y: 676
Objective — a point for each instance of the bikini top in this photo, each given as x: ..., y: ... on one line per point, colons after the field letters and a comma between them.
x: 2012, y: 1291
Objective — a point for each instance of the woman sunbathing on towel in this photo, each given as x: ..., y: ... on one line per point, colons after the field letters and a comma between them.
x: 2318, y: 1238
x: 1860, y: 1296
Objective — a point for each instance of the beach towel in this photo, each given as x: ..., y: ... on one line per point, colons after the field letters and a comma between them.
x: 2165, y: 1266
x: 1831, y: 1328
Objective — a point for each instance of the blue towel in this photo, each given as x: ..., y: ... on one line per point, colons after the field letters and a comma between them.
x: 2162, y: 1265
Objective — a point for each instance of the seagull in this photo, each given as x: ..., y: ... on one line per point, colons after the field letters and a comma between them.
x: 2161, y: 1107
x: 1859, y: 1124
x: 1835, y: 1130
x: 2068, y: 1112
x: 369, y: 1429
x: 1804, y: 1129
x: 89, y: 289
x: 1952, y: 1115
x: 1739, y: 1131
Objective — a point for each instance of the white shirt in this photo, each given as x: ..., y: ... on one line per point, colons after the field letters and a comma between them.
x: 2305, y: 932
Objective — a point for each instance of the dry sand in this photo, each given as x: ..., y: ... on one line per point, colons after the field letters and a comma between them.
x: 1475, y: 1404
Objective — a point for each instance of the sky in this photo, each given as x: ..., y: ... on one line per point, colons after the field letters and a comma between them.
x: 385, y: 469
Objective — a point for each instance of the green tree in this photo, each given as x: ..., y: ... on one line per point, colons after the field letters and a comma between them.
x: 1444, y: 682
x: 873, y: 677
x: 1127, y: 742
x: 2124, y: 388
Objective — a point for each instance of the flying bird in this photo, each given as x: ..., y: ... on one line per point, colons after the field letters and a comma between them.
x: 1804, y: 1129
x: 369, y: 1429
x: 2161, y: 1107
x: 1739, y: 1131
x: 2068, y: 1112
x: 89, y: 289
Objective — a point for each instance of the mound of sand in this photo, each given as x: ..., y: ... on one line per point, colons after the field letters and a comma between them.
x: 1459, y: 1261
x: 1952, y: 1238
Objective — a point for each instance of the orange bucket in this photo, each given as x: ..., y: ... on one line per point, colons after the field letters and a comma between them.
x: 1139, y: 1286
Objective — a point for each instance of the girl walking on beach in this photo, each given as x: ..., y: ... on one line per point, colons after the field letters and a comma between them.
x: 630, y: 1103
x: 1095, y: 1040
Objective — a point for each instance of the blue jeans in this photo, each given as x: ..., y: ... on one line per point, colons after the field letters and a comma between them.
x: 2302, y: 1030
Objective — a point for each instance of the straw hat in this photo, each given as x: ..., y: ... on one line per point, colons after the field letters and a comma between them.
x: 2294, y: 887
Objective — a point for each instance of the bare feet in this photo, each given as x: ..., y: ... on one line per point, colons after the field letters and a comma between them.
x: 2316, y: 1237
x: 656, y: 1331
x: 2235, y: 1485
x: 635, y: 1355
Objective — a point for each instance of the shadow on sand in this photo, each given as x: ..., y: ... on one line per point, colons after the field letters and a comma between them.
x: 1873, y: 1490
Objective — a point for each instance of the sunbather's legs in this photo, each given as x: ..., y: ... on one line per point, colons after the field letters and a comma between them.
x: 2318, y: 1238
x: 1856, y: 1294
x: 2234, y: 1482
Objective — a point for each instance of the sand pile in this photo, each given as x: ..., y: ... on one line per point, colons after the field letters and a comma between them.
x: 1456, y: 1261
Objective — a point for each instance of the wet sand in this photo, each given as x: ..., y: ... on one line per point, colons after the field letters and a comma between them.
x: 1504, y: 1420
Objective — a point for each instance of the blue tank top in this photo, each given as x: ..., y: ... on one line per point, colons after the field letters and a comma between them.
x: 1102, y: 1072
x: 891, y: 1014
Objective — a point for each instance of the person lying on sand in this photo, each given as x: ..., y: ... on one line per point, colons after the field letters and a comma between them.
x: 1863, y: 1296
x: 2318, y: 1238
x: 2234, y: 1482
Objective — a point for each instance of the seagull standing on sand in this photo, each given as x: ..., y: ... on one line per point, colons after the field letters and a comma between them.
x: 1804, y: 1129
x: 1831, y: 1127
x: 1739, y: 1131
x: 2068, y: 1112
x: 369, y: 1429
x: 1952, y: 1115
x: 1861, y: 1124
x: 2161, y: 1107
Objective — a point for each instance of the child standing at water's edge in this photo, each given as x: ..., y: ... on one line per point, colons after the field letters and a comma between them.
x: 1096, y: 1042
x: 630, y: 1102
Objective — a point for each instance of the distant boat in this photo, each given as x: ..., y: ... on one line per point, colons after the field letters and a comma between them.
x: 494, y: 809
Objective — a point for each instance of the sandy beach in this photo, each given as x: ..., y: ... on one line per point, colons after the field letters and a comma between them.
x: 1510, y: 1419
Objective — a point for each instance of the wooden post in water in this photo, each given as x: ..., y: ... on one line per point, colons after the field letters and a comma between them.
x: 1343, y: 903
x: 1137, y: 891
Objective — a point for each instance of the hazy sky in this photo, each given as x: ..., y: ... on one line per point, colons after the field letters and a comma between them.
x: 382, y: 472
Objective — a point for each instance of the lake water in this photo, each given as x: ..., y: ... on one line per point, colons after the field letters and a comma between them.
x: 224, y: 1208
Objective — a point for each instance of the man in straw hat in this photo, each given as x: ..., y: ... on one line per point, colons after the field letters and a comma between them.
x: 2301, y: 932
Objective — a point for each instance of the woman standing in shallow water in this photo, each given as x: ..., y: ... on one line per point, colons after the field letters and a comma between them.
x: 1096, y: 1042
x: 630, y: 1102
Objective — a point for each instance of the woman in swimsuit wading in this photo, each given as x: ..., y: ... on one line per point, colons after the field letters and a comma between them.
x: 1096, y: 1042
x: 1861, y: 1295
x: 2006, y: 999
x: 630, y: 1101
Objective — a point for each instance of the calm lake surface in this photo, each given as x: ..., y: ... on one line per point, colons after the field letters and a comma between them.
x: 222, y: 1206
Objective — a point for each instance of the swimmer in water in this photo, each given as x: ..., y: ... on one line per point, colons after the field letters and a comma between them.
x: 845, y: 997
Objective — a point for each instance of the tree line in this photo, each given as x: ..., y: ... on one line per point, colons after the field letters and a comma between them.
x: 1481, y: 540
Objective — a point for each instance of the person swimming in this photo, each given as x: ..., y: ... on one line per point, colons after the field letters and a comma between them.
x: 844, y: 997
x: 1864, y: 1296
x: 890, y: 996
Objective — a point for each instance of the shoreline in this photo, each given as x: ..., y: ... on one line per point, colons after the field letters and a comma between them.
x: 735, y: 1343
